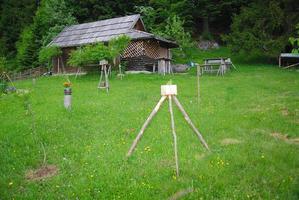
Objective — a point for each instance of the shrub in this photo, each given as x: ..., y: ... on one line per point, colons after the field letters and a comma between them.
x: 295, y: 41
x: 96, y: 52
x: 46, y: 54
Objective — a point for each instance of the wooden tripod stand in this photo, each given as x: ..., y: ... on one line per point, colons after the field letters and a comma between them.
x: 104, y: 84
x: 170, y: 92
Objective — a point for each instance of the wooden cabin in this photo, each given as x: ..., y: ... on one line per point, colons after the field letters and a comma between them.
x: 146, y: 51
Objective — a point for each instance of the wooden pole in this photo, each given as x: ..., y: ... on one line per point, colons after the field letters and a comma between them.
x: 62, y: 64
x: 120, y: 72
x: 101, y: 77
x: 174, y: 136
x: 279, y: 61
x: 78, y: 71
x: 234, y: 66
x: 7, y: 76
x: 106, y: 78
x: 110, y: 70
x: 58, y: 70
x: 146, y: 123
x: 187, y: 118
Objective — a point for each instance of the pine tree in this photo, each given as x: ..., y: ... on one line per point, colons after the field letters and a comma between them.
x: 51, y: 17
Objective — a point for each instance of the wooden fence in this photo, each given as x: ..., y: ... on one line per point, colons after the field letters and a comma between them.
x: 29, y: 73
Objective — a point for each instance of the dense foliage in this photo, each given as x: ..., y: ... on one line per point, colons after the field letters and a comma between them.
x: 295, y: 41
x: 96, y: 52
x: 46, y: 55
x: 2, y: 64
x: 252, y: 25
x: 263, y: 27
x: 15, y: 15
x: 51, y: 17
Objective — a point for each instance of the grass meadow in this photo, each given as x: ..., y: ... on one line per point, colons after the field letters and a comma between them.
x: 249, y: 118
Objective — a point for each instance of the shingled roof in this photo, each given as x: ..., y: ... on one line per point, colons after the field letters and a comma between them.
x: 103, y: 31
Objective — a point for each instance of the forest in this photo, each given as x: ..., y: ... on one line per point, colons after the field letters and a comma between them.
x: 244, y: 26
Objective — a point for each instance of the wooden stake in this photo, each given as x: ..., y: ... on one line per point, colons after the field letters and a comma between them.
x: 120, y: 72
x: 198, y: 84
x: 187, y: 118
x: 8, y: 78
x: 279, y: 61
x: 174, y: 136
x: 58, y: 70
x: 62, y: 64
x: 146, y: 123
x: 234, y: 66
x: 104, y: 74
x: 101, y: 77
x: 78, y: 71
x: 293, y: 65
x: 106, y: 78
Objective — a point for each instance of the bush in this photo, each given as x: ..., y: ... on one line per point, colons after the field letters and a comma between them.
x: 96, y: 52
x: 295, y: 41
x: 46, y: 55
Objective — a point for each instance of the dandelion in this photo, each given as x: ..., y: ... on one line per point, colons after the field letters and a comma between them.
x: 147, y: 149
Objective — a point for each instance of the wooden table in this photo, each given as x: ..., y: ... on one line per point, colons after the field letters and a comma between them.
x: 210, y: 63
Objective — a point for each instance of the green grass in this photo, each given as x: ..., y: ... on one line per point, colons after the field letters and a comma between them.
x: 89, y: 143
x: 197, y: 55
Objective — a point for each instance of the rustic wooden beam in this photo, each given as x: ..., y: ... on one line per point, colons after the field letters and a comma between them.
x: 106, y: 78
x: 187, y: 118
x: 293, y: 65
x: 174, y: 136
x: 146, y: 123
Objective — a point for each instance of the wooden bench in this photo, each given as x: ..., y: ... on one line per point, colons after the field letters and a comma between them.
x: 219, y: 65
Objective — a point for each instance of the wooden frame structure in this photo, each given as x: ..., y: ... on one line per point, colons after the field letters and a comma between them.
x: 288, y: 56
x: 168, y: 92
x: 104, y: 84
x: 219, y: 65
